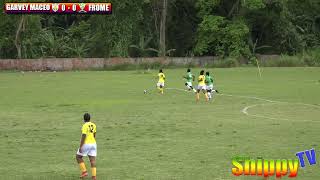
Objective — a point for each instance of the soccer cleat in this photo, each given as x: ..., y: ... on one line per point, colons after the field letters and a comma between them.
x: 84, y: 174
x: 94, y: 178
x: 217, y: 91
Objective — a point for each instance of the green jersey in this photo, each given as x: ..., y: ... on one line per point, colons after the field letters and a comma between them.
x: 189, y: 77
x: 209, y: 80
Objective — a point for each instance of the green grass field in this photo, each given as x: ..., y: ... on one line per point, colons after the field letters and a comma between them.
x: 152, y: 136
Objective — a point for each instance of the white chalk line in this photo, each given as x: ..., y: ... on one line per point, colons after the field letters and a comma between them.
x: 178, y: 89
x: 249, y: 97
x: 270, y: 102
x: 245, y: 111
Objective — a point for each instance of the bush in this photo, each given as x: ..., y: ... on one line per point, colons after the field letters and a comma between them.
x: 153, y: 65
x: 143, y: 66
x: 290, y: 61
x: 225, y: 63
x: 312, y: 57
x: 121, y: 67
x: 191, y: 65
x: 253, y: 61
x: 284, y: 61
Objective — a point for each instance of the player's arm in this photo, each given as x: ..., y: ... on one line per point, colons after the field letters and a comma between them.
x: 83, y: 138
x: 95, y: 131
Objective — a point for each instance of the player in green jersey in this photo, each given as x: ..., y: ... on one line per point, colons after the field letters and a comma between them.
x: 209, y: 85
x: 189, y: 78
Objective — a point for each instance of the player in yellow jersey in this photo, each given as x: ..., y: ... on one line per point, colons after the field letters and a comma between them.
x: 201, y: 86
x: 162, y: 78
x: 88, y: 147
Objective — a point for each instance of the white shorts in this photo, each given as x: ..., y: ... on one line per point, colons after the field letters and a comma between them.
x: 201, y: 87
x: 160, y: 84
x: 189, y: 84
x: 210, y: 87
x: 88, y: 149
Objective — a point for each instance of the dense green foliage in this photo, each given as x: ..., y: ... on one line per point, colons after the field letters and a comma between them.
x: 193, y: 27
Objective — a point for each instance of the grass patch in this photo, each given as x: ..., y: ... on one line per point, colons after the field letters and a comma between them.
x: 149, y: 136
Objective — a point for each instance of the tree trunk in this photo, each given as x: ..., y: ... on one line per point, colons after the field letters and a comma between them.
x: 17, y: 41
x: 155, y: 11
x: 163, y: 20
x: 234, y: 7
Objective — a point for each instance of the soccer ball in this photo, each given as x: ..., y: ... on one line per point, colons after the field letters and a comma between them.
x: 144, y: 91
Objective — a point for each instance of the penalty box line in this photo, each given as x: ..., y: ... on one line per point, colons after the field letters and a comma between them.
x: 269, y: 101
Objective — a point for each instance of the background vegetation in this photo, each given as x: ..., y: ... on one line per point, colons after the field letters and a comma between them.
x: 225, y: 28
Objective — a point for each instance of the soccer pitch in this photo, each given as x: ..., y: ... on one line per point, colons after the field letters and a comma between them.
x: 153, y: 136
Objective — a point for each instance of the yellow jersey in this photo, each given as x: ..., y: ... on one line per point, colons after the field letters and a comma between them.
x: 89, y: 129
x: 201, y: 80
x: 162, y: 77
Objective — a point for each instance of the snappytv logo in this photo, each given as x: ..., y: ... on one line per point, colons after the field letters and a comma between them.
x: 269, y: 167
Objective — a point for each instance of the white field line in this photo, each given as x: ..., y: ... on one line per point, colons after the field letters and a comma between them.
x: 250, y: 97
x: 178, y: 89
x: 270, y: 102
x: 245, y: 111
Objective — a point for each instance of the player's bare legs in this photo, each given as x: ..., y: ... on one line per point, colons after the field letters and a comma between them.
x: 198, y: 95
x: 206, y: 94
x: 93, y: 167
x: 161, y: 89
x: 161, y: 80
x: 209, y: 92
x: 87, y: 146
x: 82, y: 166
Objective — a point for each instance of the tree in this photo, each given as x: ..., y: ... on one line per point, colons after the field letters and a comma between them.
x: 182, y: 24
x: 20, y: 28
x: 223, y: 30
x: 162, y: 28
x: 163, y: 22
